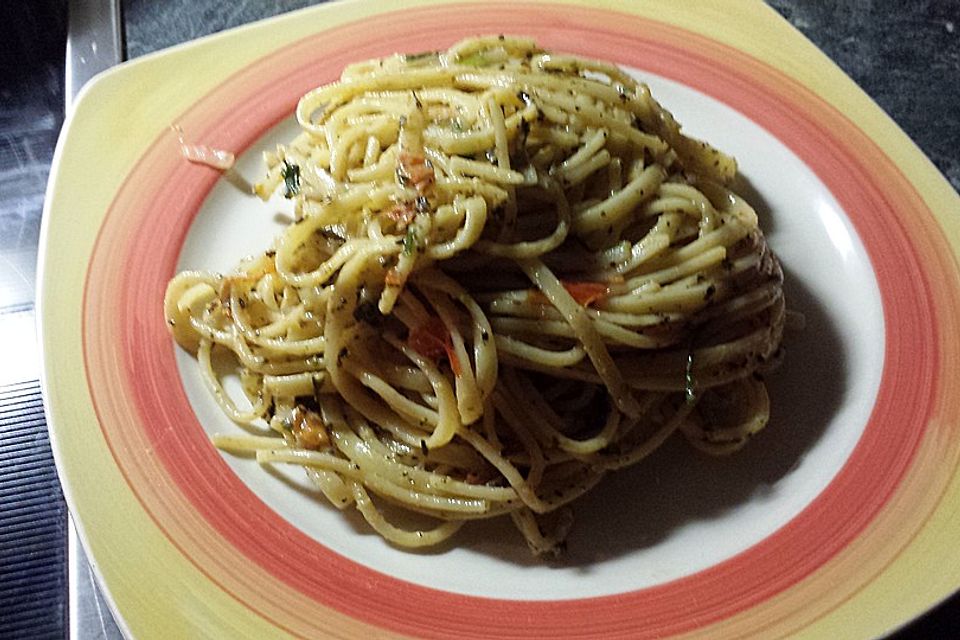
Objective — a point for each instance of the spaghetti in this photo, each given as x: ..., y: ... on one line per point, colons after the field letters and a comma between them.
x: 510, y: 273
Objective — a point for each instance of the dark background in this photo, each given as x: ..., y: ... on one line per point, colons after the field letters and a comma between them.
x: 905, y: 54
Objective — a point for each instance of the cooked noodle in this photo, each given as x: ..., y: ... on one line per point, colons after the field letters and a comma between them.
x: 510, y: 273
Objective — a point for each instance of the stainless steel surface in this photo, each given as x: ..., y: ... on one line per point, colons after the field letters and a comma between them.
x: 94, y: 42
x: 89, y: 613
x: 33, y: 515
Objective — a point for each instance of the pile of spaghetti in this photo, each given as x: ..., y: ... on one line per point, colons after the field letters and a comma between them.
x: 509, y: 274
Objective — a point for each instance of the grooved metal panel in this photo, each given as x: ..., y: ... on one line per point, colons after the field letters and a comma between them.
x: 33, y: 521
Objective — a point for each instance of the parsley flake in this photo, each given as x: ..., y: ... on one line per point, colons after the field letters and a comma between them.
x: 291, y: 179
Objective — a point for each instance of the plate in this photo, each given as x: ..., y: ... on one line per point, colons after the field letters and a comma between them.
x: 836, y: 518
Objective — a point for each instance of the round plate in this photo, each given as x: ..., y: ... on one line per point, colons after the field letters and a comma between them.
x: 835, y: 518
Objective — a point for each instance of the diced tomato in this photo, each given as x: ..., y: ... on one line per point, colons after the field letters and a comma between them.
x: 430, y: 338
x: 393, y: 278
x: 402, y: 213
x: 585, y: 293
x: 202, y: 154
x: 433, y: 341
x: 308, y: 429
x: 417, y: 171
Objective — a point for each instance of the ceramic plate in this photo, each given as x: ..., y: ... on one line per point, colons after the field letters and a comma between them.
x: 836, y: 518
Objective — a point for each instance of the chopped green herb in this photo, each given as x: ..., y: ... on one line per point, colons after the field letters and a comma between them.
x: 475, y: 60
x: 410, y: 241
x: 291, y: 179
x: 419, y: 57
x: 690, y: 392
